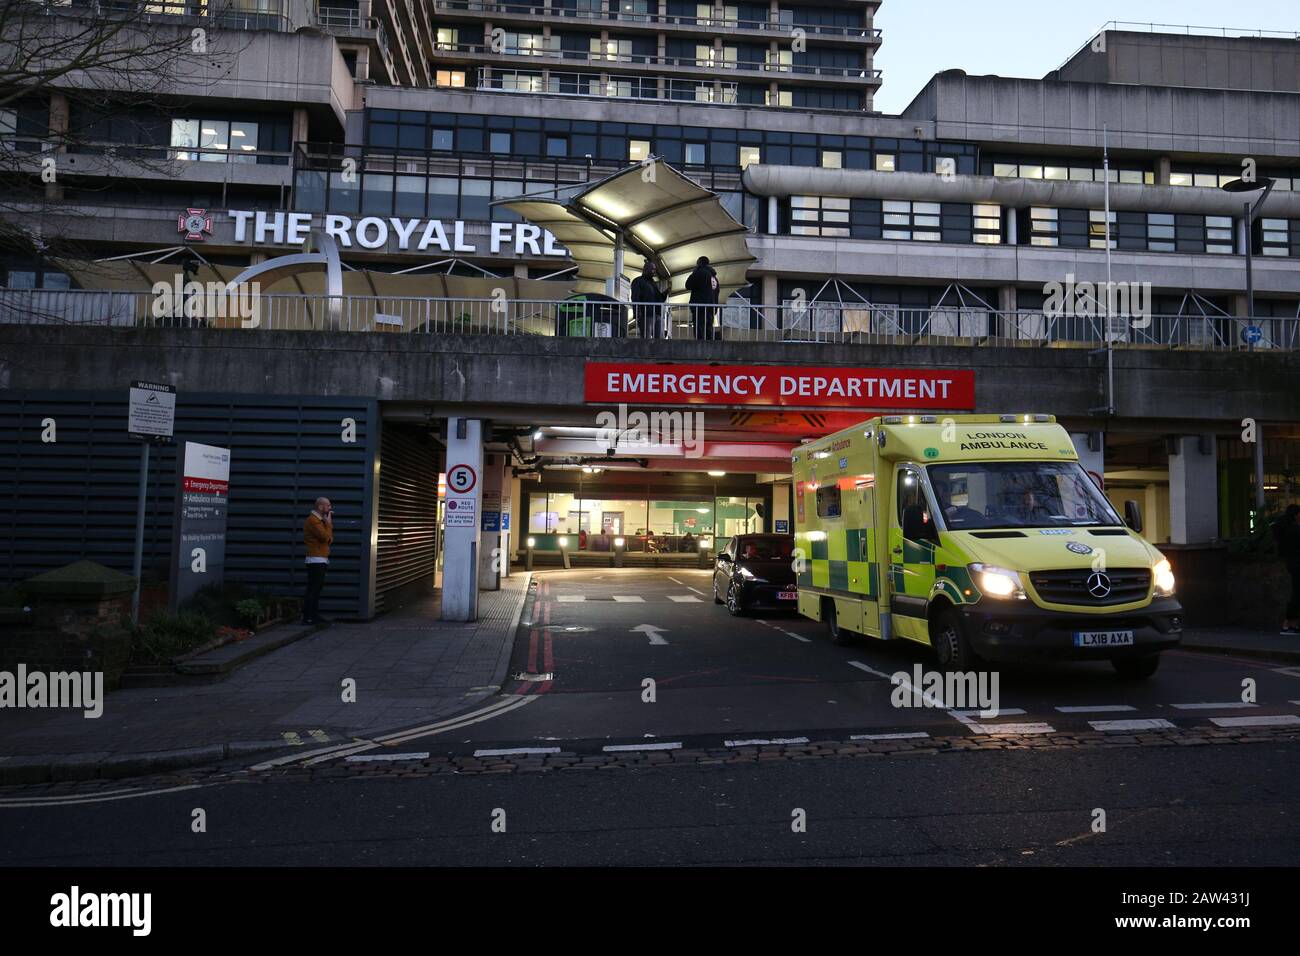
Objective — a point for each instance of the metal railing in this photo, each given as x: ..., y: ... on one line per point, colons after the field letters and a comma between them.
x: 634, y: 87
x: 657, y: 19
x: 648, y: 59
x: 736, y: 321
x: 340, y: 18
x: 230, y: 14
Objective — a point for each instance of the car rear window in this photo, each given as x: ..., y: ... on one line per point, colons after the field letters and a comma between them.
x: 765, y: 549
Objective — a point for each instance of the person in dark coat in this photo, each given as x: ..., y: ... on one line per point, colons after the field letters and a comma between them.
x: 647, y: 302
x: 702, y: 284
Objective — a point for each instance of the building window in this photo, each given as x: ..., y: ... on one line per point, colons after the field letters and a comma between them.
x: 819, y: 216
x: 611, y: 49
x: 696, y: 154
x: 454, y: 78
x: 782, y: 98
x: 832, y: 159
x: 1218, y: 234
x: 885, y: 163
x: 499, y: 142
x: 945, y: 165
x: 1098, y: 234
x: 1274, y: 237
x: 448, y: 38
x: 638, y: 150
x: 986, y: 223
x: 1160, y: 232
x: 749, y: 155
x: 1180, y: 179
x: 525, y: 44
x: 442, y: 138
x: 1044, y: 226
x: 780, y: 62
x: 917, y: 221
x: 557, y: 146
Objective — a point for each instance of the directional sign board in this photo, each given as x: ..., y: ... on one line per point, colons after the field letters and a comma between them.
x: 151, y: 411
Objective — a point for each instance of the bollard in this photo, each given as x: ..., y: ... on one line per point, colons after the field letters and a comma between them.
x: 620, y: 545
x: 528, y: 553
x: 564, y: 553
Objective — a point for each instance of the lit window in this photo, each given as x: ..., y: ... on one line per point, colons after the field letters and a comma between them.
x: 1006, y: 169
x: 448, y: 38
x: 832, y: 159
x: 884, y: 162
x: 638, y: 150
x: 1180, y: 179
x: 455, y: 78
x: 750, y: 155
x: 1055, y: 172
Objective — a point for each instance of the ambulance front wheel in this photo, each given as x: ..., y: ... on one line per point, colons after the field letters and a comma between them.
x: 951, y: 645
x: 839, y: 636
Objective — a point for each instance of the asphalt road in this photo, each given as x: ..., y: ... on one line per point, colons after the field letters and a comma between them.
x: 779, y: 675
x: 1165, y: 805
x: 590, y: 641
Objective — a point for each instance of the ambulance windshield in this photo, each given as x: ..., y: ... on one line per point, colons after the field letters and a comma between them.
x: 1018, y: 494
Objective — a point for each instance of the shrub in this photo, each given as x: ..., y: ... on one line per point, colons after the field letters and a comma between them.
x: 169, y: 635
x: 249, y: 611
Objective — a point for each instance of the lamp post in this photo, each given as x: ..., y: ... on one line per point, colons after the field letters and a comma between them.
x: 1249, y: 186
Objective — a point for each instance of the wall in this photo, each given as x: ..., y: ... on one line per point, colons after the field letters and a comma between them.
x: 76, y: 497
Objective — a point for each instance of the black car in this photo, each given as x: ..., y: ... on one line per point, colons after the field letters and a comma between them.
x: 756, y: 571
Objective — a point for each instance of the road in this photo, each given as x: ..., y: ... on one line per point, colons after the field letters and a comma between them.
x: 756, y: 724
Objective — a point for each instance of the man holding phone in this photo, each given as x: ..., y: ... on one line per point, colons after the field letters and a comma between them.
x: 318, y: 535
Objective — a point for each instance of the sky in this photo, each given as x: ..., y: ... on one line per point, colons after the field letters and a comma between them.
x: 1030, y: 37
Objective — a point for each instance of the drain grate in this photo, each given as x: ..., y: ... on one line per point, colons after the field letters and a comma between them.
x: 534, y: 677
x: 568, y: 628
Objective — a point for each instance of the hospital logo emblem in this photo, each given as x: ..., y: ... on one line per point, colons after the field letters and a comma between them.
x: 194, y: 223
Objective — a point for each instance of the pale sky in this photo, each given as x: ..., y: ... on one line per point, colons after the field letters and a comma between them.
x: 1030, y: 37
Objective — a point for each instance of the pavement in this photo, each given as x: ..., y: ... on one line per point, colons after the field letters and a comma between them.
x: 1244, y: 642
x: 409, y: 668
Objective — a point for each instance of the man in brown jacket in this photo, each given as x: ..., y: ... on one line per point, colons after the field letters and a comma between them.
x: 318, y: 535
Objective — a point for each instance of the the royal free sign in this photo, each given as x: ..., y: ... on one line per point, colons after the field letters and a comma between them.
x: 797, y: 385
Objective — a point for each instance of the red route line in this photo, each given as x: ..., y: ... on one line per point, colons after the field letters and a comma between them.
x: 548, y: 656
x: 532, y: 651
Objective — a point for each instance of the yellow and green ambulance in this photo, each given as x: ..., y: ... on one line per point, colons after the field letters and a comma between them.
x: 980, y: 535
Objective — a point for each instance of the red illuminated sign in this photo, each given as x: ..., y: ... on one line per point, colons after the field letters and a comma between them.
x: 774, y: 385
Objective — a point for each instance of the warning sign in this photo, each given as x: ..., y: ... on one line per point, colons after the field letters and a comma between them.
x: 460, y: 511
x: 151, y: 410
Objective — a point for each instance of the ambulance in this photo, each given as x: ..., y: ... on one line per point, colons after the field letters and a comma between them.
x: 981, y: 536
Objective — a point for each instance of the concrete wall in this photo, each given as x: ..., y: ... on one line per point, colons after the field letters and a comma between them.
x: 994, y: 109
x: 525, y: 375
x: 1157, y: 59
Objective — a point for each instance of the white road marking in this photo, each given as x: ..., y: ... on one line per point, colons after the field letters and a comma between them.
x: 629, y: 599
x: 652, y: 631
x: 512, y: 751
x: 674, y: 580
x: 797, y: 637
x: 696, y: 590
x: 1288, y: 671
x: 571, y: 598
x: 758, y: 742
x: 623, y: 748
x: 911, y: 736
x: 1155, y: 723
x: 1097, y: 709
x: 902, y: 682
x: 72, y: 800
x: 990, y: 714
x: 684, y: 598
x: 1280, y: 720
x: 1224, y: 705
x: 1029, y: 728
x: 369, y: 758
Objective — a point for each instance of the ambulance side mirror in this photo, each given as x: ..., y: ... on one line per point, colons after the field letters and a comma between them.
x: 1133, y: 515
x: 917, y: 525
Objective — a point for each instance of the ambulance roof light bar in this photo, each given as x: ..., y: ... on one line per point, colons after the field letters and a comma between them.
x: 892, y: 420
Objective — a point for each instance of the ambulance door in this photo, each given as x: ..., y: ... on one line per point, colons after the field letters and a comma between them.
x: 911, y: 559
x: 860, y: 547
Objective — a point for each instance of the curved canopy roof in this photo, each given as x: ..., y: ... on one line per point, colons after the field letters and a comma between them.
x: 660, y: 213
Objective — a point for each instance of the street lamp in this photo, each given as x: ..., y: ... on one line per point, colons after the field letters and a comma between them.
x: 1244, y: 186
x: 1250, y: 186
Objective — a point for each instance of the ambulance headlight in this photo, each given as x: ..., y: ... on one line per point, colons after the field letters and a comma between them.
x: 1164, y: 575
x: 997, y: 582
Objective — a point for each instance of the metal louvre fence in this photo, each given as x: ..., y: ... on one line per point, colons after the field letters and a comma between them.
x: 735, y: 321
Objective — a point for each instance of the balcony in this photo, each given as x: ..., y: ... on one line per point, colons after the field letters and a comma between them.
x: 789, y: 326
x: 709, y: 25
x: 480, y: 52
x: 223, y: 14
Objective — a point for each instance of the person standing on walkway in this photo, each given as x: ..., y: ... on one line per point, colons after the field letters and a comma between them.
x: 702, y: 284
x: 1287, y: 533
x: 318, y: 535
x: 647, y: 302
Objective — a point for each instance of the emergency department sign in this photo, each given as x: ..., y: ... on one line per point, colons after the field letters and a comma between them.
x: 798, y: 385
x: 199, y: 536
